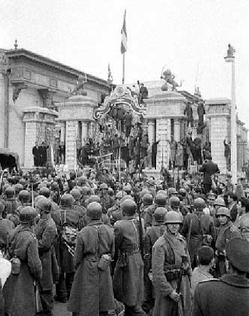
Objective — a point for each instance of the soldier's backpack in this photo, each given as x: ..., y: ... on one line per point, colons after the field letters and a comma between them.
x: 68, y: 234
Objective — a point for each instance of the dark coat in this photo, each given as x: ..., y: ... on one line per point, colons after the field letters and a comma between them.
x: 19, y: 293
x: 167, y: 255
x: 92, y: 290
x: 46, y: 233
x: 6, y: 227
x: 129, y: 270
x: 200, y: 227
x: 209, y: 168
x: 227, y: 296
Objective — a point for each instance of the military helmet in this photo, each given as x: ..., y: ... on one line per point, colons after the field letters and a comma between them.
x: 173, y: 217
x: 162, y: 192
x: 128, y: 207
x: 120, y: 194
x: 82, y: 181
x: 43, y: 204
x: 24, y: 196
x: 76, y: 194
x: 86, y: 190
x: 9, y: 192
x: 94, y: 210
x: 54, y: 186
x: 182, y: 192
x: 160, y: 199
x: 143, y: 192
x: 93, y: 198
x: 44, y: 191
x: 27, y: 215
x: 199, y: 204
x: 18, y: 188
x: 126, y: 197
x: 223, y: 211
x: 67, y: 200
x: 159, y: 214
x: 171, y: 191
x: 127, y: 188
x: 219, y: 202
x: 174, y: 201
x: 103, y: 186
x: 147, y: 199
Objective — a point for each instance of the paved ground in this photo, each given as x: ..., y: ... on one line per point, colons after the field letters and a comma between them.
x: 60, y: 309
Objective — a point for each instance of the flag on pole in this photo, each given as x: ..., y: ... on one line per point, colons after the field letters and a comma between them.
x: 109, y: 79
x: 124, y: 36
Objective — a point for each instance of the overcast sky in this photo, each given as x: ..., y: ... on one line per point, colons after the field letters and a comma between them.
x: 190, y: 37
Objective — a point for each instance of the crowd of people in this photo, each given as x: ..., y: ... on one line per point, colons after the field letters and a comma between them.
x: 106, y: 244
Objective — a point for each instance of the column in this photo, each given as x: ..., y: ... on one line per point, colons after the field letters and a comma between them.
x: 151, y: 131
x: 63, y: 131
x: 71, y: 136
x: 84, y: 132
x: 177, y: 130
x: 30, y: 139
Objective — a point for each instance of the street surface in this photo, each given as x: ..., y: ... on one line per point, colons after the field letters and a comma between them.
x: 60, y: 309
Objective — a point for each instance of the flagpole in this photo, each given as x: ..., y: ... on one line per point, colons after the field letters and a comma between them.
x: 123, y: 78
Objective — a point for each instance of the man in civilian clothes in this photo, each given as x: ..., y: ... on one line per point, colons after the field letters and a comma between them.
x: 208, y: 168
x: 228, y: 295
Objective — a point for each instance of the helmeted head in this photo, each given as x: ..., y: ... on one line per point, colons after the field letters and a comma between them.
x: 103, y: 187
x: 9, y: 192
x: 219, y: 202
x: 173, y: 217
x: 172, y: 191
x: 147, y: 199
x: 159, y: 214
x: 76, y: 194
x: 143, y: 192
x: 223, y: 211
x: 244, y: 226
x: 128, y: 207
x: 67, y: 200
x: 24, y: 196
x: 160, y: 199
x: 94, y: 210
x: 18, y: 188
x: 86, y: 190
x: 44, y: 191
x: 199, y: 204
x: 93, y: 198
x: 54, y: 186
x: 182, y: 192
x: 28, y: 215
x: 127, y: 189
x: 43, y: 205
x: 174, y: 202
x: 237, y: 252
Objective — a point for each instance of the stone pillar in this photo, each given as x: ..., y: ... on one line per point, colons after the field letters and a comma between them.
x: 63, y: 132
x: 163, y: 133
x: 84, y: 132
x: 71, y: 142
x: 151, y: 131
x: 177, y: 130
x: 30, y: 139
x: 218, y: 112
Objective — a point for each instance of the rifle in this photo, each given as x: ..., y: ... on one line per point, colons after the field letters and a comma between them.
x: 175, y: 311
x: 141, y: 244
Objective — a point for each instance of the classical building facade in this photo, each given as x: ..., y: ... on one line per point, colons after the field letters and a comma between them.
x: 31, y: 86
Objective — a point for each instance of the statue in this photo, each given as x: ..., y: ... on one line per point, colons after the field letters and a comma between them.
x: 169, y: 78
x: 230, y: 51
x: 79, y: 88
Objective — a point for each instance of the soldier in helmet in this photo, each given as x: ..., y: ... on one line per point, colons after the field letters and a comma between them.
x: 105, y: 199
x: 19, y: 292
x: 115, y: 212
x: 9, y: 201
x: 171, y: 270
x: 24, y: 198
x: 70, y: 218
x: 76, y: 204
x: 160, y: 201
x: 46, y: 233
x: 92, y: 290
x: 6, y: 226
x: 226, y: 232
x: 147, y: 201
x: 198, y: 229
x: 151, y: 236
x: 129, y: 270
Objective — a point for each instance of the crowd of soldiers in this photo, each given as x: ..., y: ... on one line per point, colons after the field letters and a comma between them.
x: 138, y: 248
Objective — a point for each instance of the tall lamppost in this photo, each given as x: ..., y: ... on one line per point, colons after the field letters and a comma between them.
x: 230, y: 58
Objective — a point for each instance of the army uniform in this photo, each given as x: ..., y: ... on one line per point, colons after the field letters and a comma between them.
x: 129, y: 270
x: 19, y: 292
x: 46, y: 233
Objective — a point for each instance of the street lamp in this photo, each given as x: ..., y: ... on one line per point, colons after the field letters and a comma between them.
x: 230, y: 58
